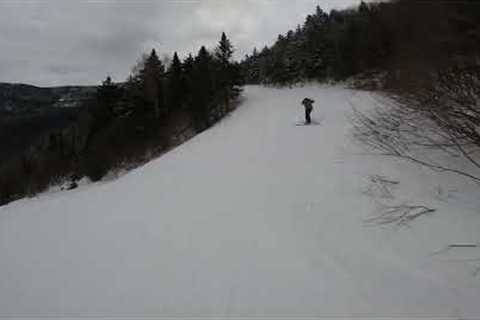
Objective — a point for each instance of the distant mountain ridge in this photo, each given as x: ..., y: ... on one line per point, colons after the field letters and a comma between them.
x: 18, y: 98
x: 29, y: 114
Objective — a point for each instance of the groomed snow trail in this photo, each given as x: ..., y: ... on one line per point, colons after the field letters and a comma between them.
x: 254, y: 217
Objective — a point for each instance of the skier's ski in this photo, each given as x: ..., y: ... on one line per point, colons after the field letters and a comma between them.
x: 313, y: 123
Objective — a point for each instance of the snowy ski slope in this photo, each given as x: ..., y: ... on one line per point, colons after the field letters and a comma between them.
x: 255, y: 217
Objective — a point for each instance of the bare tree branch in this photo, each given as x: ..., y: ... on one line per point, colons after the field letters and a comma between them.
x: 443, y: 118
x: 400, y: 215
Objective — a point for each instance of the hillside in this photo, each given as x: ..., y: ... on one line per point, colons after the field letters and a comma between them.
x: 18, y: 99
x: 253, y: 217
x: 28, y: 112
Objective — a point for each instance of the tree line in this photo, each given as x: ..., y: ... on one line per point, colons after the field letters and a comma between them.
x: 407, y: 38
x: 138, y: 115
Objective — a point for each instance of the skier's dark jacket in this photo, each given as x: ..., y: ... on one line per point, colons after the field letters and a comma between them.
x: 308, y: 103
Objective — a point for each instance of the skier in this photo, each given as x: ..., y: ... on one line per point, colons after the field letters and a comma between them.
x: 308, y: 104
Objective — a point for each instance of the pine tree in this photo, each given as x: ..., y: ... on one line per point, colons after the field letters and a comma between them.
x: 188, y: 64
x: 107, y: 96
x: 224, y: 53
x: 187, y: 78
x: 224, y: 50
x: 363, y: 8
x: 151, y: 77
x: 175, y: 92
x: 202, y: 88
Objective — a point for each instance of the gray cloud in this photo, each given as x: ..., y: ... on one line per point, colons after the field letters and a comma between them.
x: 57, y: 42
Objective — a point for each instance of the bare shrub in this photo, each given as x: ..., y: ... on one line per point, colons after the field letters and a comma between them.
x: 437, y: 126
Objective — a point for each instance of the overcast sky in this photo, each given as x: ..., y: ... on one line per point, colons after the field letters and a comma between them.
x: 58, y: 42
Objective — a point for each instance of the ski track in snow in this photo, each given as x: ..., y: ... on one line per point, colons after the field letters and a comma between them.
x: 254, y: 217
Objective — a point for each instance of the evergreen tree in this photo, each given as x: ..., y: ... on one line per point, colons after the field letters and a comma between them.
x: 151, y: 77
x: 107, y: 95
x: 106, y: 98
x: 175, y: 90
x: 202, y: 88
x: 188, y: 64
x: 187, y: 78
x: 224, y: 53
x: 224, y: 50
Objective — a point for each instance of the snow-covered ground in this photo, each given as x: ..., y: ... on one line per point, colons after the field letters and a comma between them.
x: 254, y: 217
